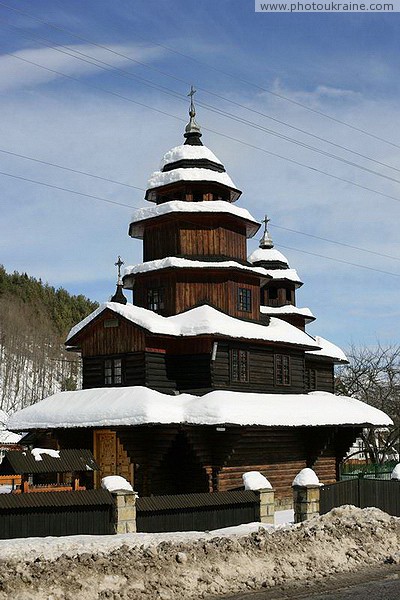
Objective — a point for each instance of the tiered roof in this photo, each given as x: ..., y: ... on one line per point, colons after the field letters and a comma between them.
x: 202, y: 320
x: 111, y: 407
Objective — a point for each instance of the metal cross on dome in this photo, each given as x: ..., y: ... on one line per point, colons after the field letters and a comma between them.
x: 265, y: 221
x: 192, y: 111
x: 119, y: 264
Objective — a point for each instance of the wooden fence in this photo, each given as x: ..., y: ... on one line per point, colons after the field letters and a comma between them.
x: 93, y: 512
x: 197, y: 512
x: 55, y: 514
x: 383, y: 494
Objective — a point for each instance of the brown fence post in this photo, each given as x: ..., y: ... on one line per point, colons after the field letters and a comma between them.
x: 305, y: 502
x: 267, y: 505
x: 124, y: 511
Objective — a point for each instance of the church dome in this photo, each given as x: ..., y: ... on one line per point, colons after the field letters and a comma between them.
x: 191, y: 163
x: 268, y: 255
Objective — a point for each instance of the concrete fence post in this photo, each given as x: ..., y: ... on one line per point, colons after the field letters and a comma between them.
x: 305, y: 502
x: 267, y: 505
x: 124, y: 511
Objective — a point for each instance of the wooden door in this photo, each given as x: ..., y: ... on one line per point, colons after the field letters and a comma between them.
x: 111, y: 457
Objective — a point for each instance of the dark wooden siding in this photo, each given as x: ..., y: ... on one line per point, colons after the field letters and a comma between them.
x: 195, y: 235
x: 100, y: 340
x: 133, y: 370
x: 324, y: 373
x: 191, y: 372
x: 186, y: 288
x: 261, y: 369
x: 157, y: 375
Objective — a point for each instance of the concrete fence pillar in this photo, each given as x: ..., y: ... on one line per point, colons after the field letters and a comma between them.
x: 305, y: 502
x: 267, y: 505
x: 124, y: 511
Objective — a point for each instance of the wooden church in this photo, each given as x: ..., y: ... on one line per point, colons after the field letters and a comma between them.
x: 207, y: 372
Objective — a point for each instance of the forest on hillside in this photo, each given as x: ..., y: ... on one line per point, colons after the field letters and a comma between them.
x: 34, y: 320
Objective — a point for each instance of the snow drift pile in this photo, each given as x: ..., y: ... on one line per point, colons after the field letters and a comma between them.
x: 346, y: 539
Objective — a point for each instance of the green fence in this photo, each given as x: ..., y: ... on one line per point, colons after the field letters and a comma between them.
x: 368, y: 471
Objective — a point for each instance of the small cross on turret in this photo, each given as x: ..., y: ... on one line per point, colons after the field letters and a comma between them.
x: 119, y: 264
x: 266, y: 240
x: 192, y: 110
x: 119, y: 295
x: 192, y: 129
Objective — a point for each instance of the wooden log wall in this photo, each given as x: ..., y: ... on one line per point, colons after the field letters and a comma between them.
x: 158, y: 376
x: 190, y: 372
x: 325, y: 378
x: 195, y: 235
x: 261, y: 369
x: 133, y: 370
x: 186, y: 288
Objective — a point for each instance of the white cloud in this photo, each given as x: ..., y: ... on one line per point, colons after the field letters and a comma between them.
x: 17, y: 74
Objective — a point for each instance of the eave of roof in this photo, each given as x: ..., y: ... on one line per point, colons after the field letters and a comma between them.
x: 131, y: 406
x: 200, y: 321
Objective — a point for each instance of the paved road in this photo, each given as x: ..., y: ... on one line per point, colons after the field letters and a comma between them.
x: 380, y: 583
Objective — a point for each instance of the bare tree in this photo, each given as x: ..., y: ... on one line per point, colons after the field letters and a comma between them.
x: 373, y: 376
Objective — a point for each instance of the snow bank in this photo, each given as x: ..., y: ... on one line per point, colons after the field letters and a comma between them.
x: 189, y: 566
x: 254, y: 480
x: 306, y: 477
x: 114, y: 483
x: 101, y: 407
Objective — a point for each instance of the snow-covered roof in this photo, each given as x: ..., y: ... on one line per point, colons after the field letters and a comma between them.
x: 7, y: 437
x: 283, y: 274
x: 188, y: 152
x: 107, y: 407
x: 179, y: 206
x: 186, y: 263
x: 160, y: 178
x: 328, y: 350
x: 288, y: 309
x: 202, y: 320
x: 267, y: 255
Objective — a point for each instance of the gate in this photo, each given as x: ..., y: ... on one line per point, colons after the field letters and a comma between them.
x: 382, y: 494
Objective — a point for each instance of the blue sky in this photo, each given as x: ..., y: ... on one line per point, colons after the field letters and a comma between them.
x: 343, y: 65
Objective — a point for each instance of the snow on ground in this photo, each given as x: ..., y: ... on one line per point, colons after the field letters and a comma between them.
x: 51, y: 548
x: 185, y: 566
